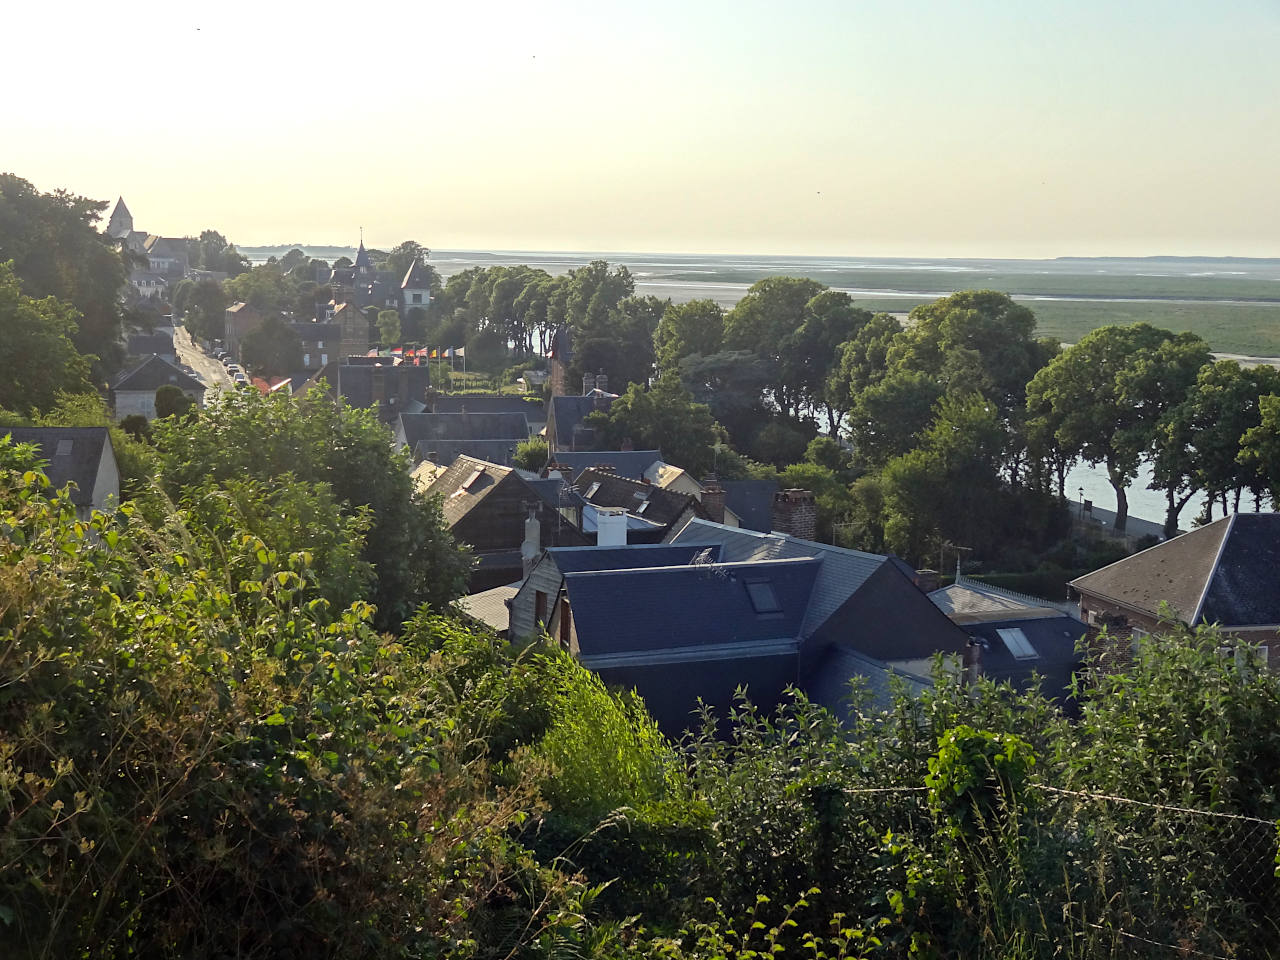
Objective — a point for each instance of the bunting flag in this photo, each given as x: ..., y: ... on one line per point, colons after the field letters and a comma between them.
x: 435, y: 353
x: 397, y: 351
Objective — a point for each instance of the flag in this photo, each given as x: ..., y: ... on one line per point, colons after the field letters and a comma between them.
x: 435, y: 353
x: 397, y: 351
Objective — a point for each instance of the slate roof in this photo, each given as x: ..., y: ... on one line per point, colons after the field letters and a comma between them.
x: 1054, y: 638
x: 531, y: 411
x: 752, y: 501
x: 317, y: 332
x: 699, y: 605
x: 429, y: 427
x: 966, y: 600
x: 362, y: 257
x: 1226, y: 572
x: 465, y: 485
x: 416, y: 277
x: 81, y: 447
x: 153, y: 373
x: 654, y: 504
x: 829, y: 680
x: 141, y: 344
x: 354, y: 381
x: 625, y: 463
x: 567, y: 413
x: 490, y: 606
x: 446, y: 451
x: 554, y: 492
x: 843, y: 571
x: 630, y: 557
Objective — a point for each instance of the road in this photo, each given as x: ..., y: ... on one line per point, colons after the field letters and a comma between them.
x: 210, y: 371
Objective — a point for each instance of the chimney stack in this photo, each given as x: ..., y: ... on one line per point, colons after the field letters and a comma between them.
x: 588, y: 383
x: 973, y: 660
x: 713, y: 497
x: 602, y: 382
x: 627, y: 444
x: 795, y: 512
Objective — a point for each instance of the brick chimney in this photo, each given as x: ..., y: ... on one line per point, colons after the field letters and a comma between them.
x: 588, y: 383
x: 602, y: 382
x: 973, y: 660
x: 795, y: 512
x: 928, y: 580
x: 713, y: 496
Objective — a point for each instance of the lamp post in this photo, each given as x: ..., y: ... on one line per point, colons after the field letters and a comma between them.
x: 1082, y: 504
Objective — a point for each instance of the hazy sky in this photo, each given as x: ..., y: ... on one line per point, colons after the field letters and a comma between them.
x: 862, y: 128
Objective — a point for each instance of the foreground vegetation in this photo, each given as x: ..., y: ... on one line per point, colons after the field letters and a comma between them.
x: 201, y: 757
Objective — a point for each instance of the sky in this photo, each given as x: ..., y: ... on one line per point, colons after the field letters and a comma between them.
x: 897, y: 128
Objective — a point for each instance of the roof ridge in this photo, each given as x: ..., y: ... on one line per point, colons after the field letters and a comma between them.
x: 1213, y: 572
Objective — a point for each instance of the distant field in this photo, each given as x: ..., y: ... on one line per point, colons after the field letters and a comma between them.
x: 1252, y: 329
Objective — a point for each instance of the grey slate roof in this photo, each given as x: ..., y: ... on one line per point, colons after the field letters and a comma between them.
x: 843, y: 571
x: 460, y: 497
x: 444, y: 452
x: 631, y: 557
x: 625, y: 463
x: 1225, y: 572
x: 691, y: 605
x: 430, y: 427
x: 752, y: 501
x: 567, y: 413
x: 531, y: 411
x: 141, y: 344
x: 416, y: 277
x: 829, y: 680
x: 490, y: 607
x: 650, y: 503
x: 1054, y: 639
x: 78, y: 464
x: 153, y: 373
x: 317, y: 333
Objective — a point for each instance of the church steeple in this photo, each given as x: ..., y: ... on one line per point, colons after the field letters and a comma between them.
x: 363, y: 265
x: 121, y: 223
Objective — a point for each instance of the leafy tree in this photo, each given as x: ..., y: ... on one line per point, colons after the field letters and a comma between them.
x: 888, y: 418
x: 37, y: 352
x: 414, y: 329
x: 811, y: 353
x: 1108, y: 393
x: 293, y: 259
x: 763, y: 320
x: 276, y: 439
x: 863, y: 361
x: 532, y: 454
x: 685, y: 329
x: 342, y: 263
x: 211, y: 251
x: 272, y: 350
x: 172, y: 402
x: 56, y: 251
x: 487, y: 351
x: 206, y: 304
x: 732, y: 384
x: 389, y: 327
x: 1260, y: 446
x: 665, y: 418
x: 266, y: 288
x: 402, y: 256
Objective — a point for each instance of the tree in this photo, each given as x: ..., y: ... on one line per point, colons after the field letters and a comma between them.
x: 1108, y: 393
x: 37, y: 354
x: 732, y: 384
x: 887, y: 419
x: 402, y: 256
x: 863, y: 361
x: 211, y: 251
x: 685, y: 329
x: 272, y: 350
x: 1260, y: 446
x: 389, y: 327
x: 278, y: 439
x: 206, y: 306
x: 664, y: 418
x: 532, y: 454
x: 812, y: 352
x: 772, y: 310
x: 172, y: 402
x: 56, y: 251
x: 414, y: 329
x: 266, y: 288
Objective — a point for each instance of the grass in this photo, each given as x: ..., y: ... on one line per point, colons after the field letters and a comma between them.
x: 1252, y: 329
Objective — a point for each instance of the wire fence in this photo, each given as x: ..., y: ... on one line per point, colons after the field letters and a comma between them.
x: 1098, y: 875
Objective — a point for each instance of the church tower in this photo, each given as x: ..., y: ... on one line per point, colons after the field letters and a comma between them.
x: 121, y: 223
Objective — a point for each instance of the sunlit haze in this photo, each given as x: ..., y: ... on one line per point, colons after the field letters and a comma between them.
x: 886, y: 128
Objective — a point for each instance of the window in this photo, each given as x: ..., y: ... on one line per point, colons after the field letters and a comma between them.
x: 1018, y: 644
x: 417, y: 298
x: 306, y: 359
x: 643, y: 507
x: 763, y: 599
x: 324, y: 359
x: 473, y: 479
x: 591, y: 490
x: 319, y: 344
x: 64, y: 448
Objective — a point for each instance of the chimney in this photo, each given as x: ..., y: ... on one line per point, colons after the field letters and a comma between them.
x: 928, y: 580
x: 795, y: 512
x: 713, y: 497
x: 588, y: 383
x: 532, y: 545
x: 627, y: 444
x: 611, y: 527
x: 602, y: 382
x: 973, y: 660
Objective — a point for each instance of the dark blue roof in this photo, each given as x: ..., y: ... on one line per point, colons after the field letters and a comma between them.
x: 1054, y: 640
x: 694, y: 605
x: 631, y: 557
x: 568, y: 412
x: 752, y: 501
x: 1245, y: 586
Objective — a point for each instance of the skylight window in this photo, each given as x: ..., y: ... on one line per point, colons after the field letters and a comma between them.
x: 473, y: 479
x: 763, y: 599
x: 643, y: 507
x: 591, y: 490
x: 1018, y: 643
x: 64, y: 447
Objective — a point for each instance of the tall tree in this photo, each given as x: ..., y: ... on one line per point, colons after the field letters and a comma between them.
x: 688, y: 328
x: 1108, y: 393
x: 37, y: 356
x: 56, y: 251
x: 772, y: 310
x: 389, y: 327
x: 811, y: 353
x: 664, y: 418
x: 863, y: 361
x: 272, y: 350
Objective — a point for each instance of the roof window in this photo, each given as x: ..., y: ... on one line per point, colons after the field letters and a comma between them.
x: 591, y: 490
x: 763, y: 599
x: 1018, y: 643
x: 472, y: 480
x: 64, y: 447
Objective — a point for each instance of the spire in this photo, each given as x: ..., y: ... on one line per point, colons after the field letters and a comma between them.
x: 121, y: 223
x: 362, y: 255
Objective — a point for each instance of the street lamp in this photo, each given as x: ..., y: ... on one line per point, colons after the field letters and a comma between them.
x: 1082, y: 503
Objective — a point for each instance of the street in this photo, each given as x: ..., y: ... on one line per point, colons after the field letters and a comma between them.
x: 210, y: 371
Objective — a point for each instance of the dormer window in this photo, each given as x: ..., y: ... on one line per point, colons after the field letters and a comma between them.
x: 763, y: 599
